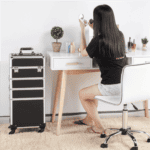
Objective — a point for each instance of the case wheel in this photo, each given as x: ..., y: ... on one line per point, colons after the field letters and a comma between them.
x: 12, y: 131
x: 41, y: 130
x: 13, y: 128
x: 42, y: 127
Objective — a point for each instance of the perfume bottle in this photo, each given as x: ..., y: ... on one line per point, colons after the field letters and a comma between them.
x: 133, y: 46
x: 129, y: 44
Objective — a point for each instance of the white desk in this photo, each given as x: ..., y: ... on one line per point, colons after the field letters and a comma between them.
x: 68, y: 64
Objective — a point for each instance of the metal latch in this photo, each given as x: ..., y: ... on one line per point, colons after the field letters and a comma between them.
x: 39, y: 69
x: 16, y: 69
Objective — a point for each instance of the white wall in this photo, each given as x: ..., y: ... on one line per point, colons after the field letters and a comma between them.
x: 28, y: 24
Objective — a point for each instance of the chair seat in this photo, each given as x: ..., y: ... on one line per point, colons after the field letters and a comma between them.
x: 115, y: 100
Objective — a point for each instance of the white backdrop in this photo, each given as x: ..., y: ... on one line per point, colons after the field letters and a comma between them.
x: 28, y: 24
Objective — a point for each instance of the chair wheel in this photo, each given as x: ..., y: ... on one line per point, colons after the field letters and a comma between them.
x: 148, y: 140
x: 104, y: 145
x: 134, y: 148
x: 102, y: 135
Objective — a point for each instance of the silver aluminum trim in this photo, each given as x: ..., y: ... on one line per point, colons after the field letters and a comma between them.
x: 44, y: 110
x: 10, y: 84
x: 10, y: 94
x: 29, y: 67
x: 44, y: 88
x: 43, y: 61
x: 44, y: 73
x: 23, y: 99
x: 20, y: 57
x: 19, y: 89
x: 28, y: 127
x: 11, y: 113
x: 10, y: 70
x: 38, y: 78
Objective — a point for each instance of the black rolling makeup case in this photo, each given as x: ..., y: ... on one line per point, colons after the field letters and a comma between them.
x: 27, y: 90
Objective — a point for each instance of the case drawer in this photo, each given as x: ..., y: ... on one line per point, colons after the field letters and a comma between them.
x: 23, y: 73
x: 27, y: 113
x: 68, y: 63
x: 27, y: 62
x: 27, y: 93
x: 27, y: 83
x: 140, y: 60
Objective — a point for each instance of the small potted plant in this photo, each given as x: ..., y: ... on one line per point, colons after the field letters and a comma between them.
x: 57, y: 33
x: 144, y: 41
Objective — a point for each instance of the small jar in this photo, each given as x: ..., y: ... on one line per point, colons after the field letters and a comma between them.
x: 133, y: 47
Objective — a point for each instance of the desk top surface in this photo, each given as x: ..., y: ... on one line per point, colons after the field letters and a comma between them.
x: 63, y: 54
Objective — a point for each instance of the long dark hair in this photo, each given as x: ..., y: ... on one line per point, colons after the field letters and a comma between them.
x: 111, y: 40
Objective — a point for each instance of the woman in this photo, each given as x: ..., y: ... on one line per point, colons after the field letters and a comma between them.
x: 108, y: 48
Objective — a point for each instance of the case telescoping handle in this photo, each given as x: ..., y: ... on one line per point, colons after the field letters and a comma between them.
x: 26, y: 48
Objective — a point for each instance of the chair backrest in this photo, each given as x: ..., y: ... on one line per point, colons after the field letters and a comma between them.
x: 135, y: 82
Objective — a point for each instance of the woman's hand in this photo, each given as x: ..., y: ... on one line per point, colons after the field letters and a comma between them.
x: 82, y: 25
x: 91, y: 25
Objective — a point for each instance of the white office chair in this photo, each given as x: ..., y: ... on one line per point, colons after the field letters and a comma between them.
x: 135, y: 86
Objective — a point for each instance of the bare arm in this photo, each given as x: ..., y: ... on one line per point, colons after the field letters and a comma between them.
x: 83, y: 40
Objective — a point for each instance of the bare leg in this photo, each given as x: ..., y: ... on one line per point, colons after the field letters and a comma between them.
x: 91, y: 109
x: 88, y: 120
x: 86, y: 97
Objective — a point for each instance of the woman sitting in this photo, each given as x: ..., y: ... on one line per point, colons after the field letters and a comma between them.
x: 108, y: 48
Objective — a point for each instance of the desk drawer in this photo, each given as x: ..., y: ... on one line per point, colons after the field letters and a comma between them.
x: 68, y: 63
x: 141, y: 60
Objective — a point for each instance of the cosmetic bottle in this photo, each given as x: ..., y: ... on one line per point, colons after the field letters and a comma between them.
x: 133, y: 46
x: 68, y: 47
x: 129, y: 44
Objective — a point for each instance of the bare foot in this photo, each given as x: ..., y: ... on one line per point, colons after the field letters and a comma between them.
x: 101, y: 130
x: 97, y: 130
x: 87, y: 120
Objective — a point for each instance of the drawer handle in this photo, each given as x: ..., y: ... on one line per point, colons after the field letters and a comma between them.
x: 76, y: 63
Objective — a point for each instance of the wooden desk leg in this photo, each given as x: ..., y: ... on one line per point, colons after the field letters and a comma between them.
x: 62, y: 96
x: 57, y: 94
x: 146, y: 109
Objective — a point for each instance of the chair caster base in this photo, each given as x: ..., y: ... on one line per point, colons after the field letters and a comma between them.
x: 104, y: 145
x: 134, y: 148
x: 102, y: 135
x: 148, y: 140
